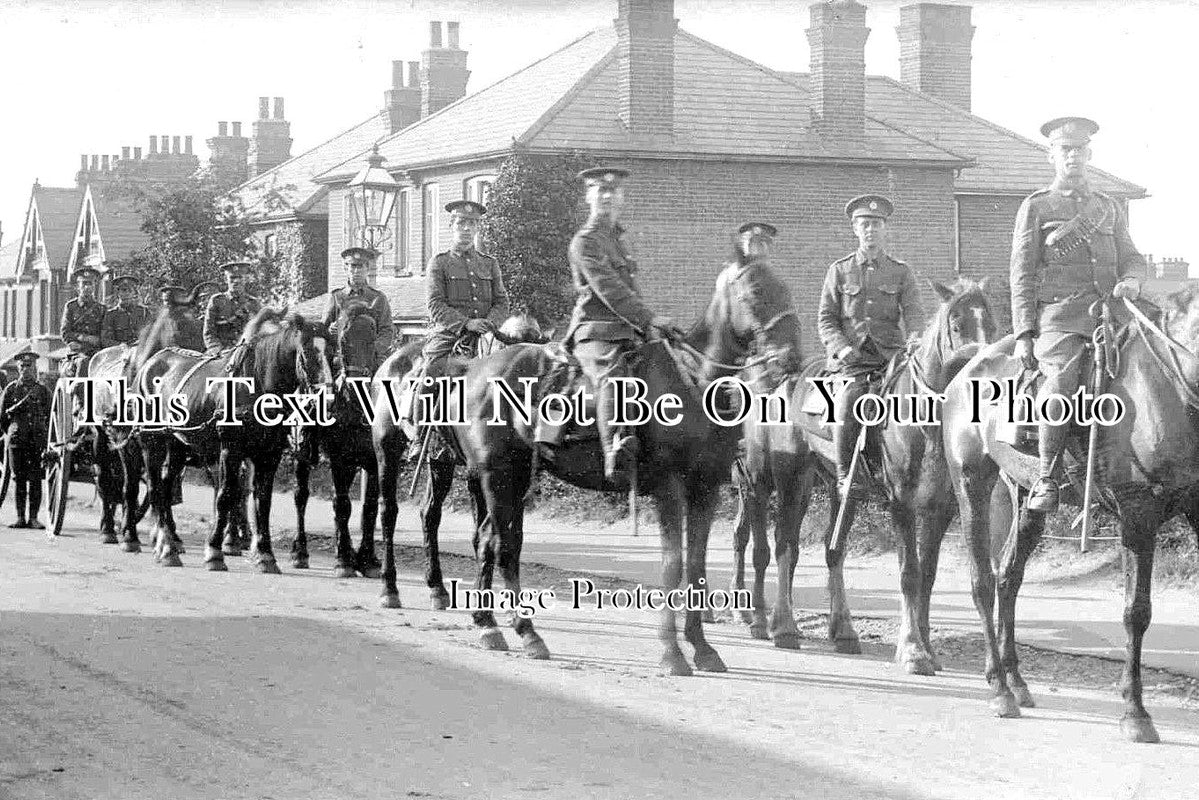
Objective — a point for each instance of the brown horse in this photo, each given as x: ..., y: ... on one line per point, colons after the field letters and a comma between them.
x: 680, y: 465
x: 348, y: 446
x: 1147, y: 472
x: 282, y: 355
x: 907, y: 461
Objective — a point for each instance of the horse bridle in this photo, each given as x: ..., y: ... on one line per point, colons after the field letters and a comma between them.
x: 1174, y: 369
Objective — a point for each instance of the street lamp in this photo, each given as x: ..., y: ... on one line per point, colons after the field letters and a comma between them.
x: 373, y: 194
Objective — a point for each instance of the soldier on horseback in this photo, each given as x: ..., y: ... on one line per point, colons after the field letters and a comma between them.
x: 357, y: 262
x: 869, y: 302
x: 82, y: 320
x: 609, y: 314
x: 230, y: 310
x: 123, y: 322
x: 1070, y: 249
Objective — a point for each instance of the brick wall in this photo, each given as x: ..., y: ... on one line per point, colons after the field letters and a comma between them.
x: 986, y: 247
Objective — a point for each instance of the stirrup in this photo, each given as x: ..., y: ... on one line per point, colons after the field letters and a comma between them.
x: 1043, y: 496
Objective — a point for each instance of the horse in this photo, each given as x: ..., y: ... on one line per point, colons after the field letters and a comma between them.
x: 440, y: 461
x: 348, y: 446
x: 910, y: 466
x: 1147, y: 473
x: 680, y: 465
x: 281, y: 354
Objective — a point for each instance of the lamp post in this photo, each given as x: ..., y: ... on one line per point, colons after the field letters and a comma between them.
x: 373, y: 195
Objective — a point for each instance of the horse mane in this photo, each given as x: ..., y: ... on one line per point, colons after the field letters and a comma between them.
x: 934, y: 341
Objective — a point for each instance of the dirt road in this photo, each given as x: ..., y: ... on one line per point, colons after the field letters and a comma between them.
x: 122, y: 679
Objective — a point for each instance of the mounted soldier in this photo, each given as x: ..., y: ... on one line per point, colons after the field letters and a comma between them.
x: 609, y: 316
x: 123, y: 322
x: 24, y: 416
x: 869, y: 306
x: 230, y: 310
x: 357, y: 262
x: 82, y: 320
x: 1070, y: 249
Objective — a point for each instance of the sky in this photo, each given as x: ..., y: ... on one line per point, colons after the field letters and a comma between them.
x: 92, y: 77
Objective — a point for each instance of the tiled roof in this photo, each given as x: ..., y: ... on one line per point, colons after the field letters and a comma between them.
x: 8, y: 256
x: 120, y: 228
x: 59, y: 210
x: 288, y: 189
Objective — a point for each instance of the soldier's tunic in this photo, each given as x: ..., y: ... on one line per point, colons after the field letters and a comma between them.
x: 376, y: 305
x: 25, y: 416
x: 1057, y: 274
x: 461, y: 285
x: 226, y: 318
x: 81, y: 318
x: 122, y: 324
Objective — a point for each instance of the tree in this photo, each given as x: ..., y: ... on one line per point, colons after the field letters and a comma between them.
x: 534, y: 211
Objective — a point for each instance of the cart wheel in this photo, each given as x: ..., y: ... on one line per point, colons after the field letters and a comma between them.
x: 58, y: 457
x: 5, y: 469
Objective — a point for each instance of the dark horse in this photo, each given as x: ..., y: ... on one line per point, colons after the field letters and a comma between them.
x: 391, y: 440
x: 281, y: 355
x: 1147, y: 472
x: 348, y: 446
x: 681, y: 466
x: 907, y: 460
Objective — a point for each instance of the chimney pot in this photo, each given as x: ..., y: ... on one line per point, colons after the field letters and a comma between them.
x: 95, y: 163
x: 397, y: 74
x: 83, y: 162
x: 104, y: 163
x: 264, y: 107
x: 187, y: 145
x: 222, y: 129
x: 175, y: 145
x: 153, y: 145
x: 137, y: 154
x: 237, y: 130
x: 434, y: 35
x: 413, y: 74
x: 451, y: 32
x: 165, y: 146
x: 279, y: 108
x: 124, y: 153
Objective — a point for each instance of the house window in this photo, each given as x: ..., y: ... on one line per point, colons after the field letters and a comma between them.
x: 431, y: 227
x: 270, y: 245
x: 403, y: 239
x: 478, y: 188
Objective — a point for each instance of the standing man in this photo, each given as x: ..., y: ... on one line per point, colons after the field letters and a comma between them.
x: 123, y: 322
x: 609, y: 314
x: 357, y: 262
x: 464, y: 289
x: 25, y: 416
x: 82, y: 319
x: 230, y: 310
x: 1070, y: 248
x: 869, y: 305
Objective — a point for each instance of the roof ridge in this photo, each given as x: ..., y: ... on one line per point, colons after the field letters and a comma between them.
x: 310, y: 150
x: 464, y: 98
x: 992, y: 125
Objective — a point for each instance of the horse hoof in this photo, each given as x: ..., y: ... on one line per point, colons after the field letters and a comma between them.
x: 1004, y: 706
x: 1023, y: 697
x: 746, y: 618
x: 847, y: 646
x: 300, y: 562
x: 786, y: 641
x: 439, y: 601
x: 374, y: 573
x: 269, y: 568
x: 919, y: 665
x: 230, y: 549
x: 675, y: 665
x: 535, y: 648
x: 710, y: 661
x: 493, y: 639
x: 133, y: 546
x: 344, y: 572
x: 389, y: 601
x: 758, y: 631
x: 108, y: 538
x: 1139, y: 730
x: 171, y: 560
x: 216, y: 565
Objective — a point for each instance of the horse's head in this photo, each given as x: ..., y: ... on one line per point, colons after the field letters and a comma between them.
x: 751, y: 308
x: 356, y: 336
x: 963, y: 323
x: 1180, y: 318
x: 517, y: 329
x: 288, y: 352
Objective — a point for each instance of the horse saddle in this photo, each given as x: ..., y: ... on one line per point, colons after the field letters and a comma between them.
x: 814, y: 407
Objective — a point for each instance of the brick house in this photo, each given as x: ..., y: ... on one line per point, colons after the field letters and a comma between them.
x: 714, y: 139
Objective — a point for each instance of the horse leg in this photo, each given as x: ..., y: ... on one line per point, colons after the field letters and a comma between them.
x: 700, y: 510
x: 474, y: 486
x: 153, y: 456
x: 494, y: 484
x: 669, y: 499
x: 511, y: 526
x: 910, y: 651
x: 234, y: 539
x: 387, y: 453
x: 131, y: 472
x: 1012, y: 561
x: 343, y: 548
x: 795, y: 494
x: 299, y: 547
x: 228, y: 495
x: 741, y: 535
x: 264, y: 465
x: 840, y: 621
x: 365, y: 560
x: 440, y: 478
x: 934, y: 522
x: 102, y: 474
x: 1139, y: 542
x: 973, y: 487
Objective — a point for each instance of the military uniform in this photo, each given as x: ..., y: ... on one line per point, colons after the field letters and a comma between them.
x: 461, y: 285
x: 868, y: 307
x: 24, y: 416
x: 122, y: 324
x: 376, y: 305
x: 1070, y: 248
x: 226, y: 318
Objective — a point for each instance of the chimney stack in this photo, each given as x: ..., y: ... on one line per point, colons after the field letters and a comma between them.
x: 137, y: 154
x: 645, y: 57
x: 402, y: 102
x: 271, y: 142
x: 83, y: 163
x: 228, y: 155
x: 264, y: 108
x: 236, y: 129
x: 837, y: 39
x: 153, y: 145
x: 124, y: 153
x: 443, y: 72
x: 934, y: 51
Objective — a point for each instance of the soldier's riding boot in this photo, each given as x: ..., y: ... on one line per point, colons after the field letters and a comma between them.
x: 35, y: 504
x: 1044, y: 493
x: 619, y: 447
x: 845, y: 438
x: 19, y: 491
